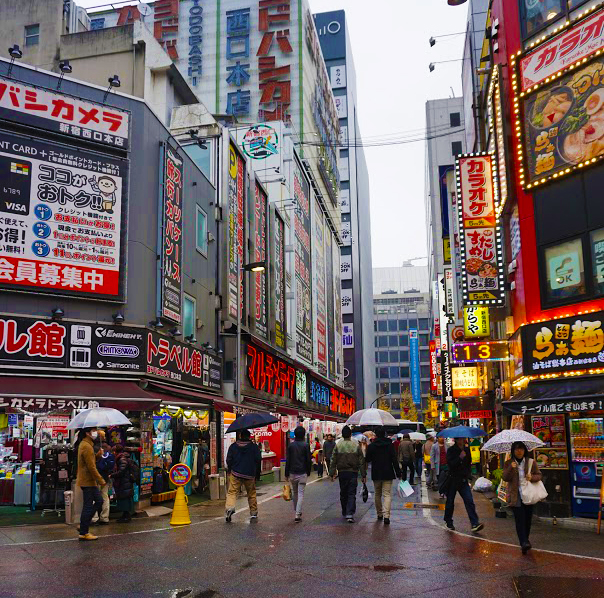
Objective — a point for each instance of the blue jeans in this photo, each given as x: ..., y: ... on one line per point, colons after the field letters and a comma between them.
x: 465, y: 492
x: 349, y: 480
x: 93, y: 503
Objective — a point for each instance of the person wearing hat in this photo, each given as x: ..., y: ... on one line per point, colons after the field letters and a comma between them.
x: 298, y: 464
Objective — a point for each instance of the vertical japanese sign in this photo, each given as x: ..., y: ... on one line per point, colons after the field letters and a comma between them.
x: 61, y: 212
x: 302, y: 268
x: 321, y: 328
x: 433, y: 368
x: 195, y: 69
x: 337, y: 288
x: 329, y: 288
x: 476, y: 322
x: 165, y: 27
x: 279, y: 289
x: 414, y: 365
x: 238, y: 65
x: 274, y: 76
x: 236, y: 228
x: 260, y: 295
x: 171, y: 284
x: 482, y: 265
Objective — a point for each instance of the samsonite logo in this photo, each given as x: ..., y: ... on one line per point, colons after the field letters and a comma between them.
x: 129, y: 351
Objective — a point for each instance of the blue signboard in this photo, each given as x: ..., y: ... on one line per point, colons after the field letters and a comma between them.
x: 414, y: 362
x: 444, y: 197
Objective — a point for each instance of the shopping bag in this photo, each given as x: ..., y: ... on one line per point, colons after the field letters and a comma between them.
x: 503, y: 493
x: 287, y: 492
x: 365, y: 493
x: 532, y: 492
x: 404, y: 489
x: 427, y: 459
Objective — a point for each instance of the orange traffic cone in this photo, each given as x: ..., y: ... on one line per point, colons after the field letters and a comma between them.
x: 180, y: 513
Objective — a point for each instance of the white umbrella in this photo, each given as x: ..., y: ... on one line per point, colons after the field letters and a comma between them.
x: 502, y: 442
x: 371, y: 417
x: 417, y: 436
x: 98, y: 417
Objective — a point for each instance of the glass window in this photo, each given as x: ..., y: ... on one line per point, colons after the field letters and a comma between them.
x: 404, y: 371
x: 404, y: 355
x: 564, y: 271
x: 425, y: 387
x: 383, y: 357
x: 402, y: 324
x: 423, y: 340
x: 424, y: 371
x: 377, y: 357
x: 536, y: 14
x: 455, y: 119
x: 377, y: 388
x: 424, y: 324
x: 384, y: 388
x: 383, y: 341
x: 392, y: 325
x: 575, y: 3
x: 375, y: 341
x: 383, y: 325
x: 201, y: 231
x: 393, y: 342
x: 597, y: 258
x: 394, y: 372
x: 393, y: 356
x: 375, y: 326
x: 456, y: 148
x: 202, y: 156
x: 189, y: 315
x: 32, y: 35
x: 383, y: 373
x: 424, y: 355
x: 395, y: 388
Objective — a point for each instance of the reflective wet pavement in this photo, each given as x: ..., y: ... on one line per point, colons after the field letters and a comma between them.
x: 322, y: 556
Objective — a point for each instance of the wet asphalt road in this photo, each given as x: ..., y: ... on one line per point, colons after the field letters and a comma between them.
x: 275, y: 557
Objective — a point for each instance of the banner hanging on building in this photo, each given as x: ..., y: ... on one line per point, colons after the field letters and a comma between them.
x: 321, y: 324
x: 415, y: 366
x: 171, y: 281
x: 480, y: 234
x: 236, y: 231
x: 260, y: 278
x: 433, y: 368
x: 329, y: 290
x: 62, y: 214
x: 279, y: 288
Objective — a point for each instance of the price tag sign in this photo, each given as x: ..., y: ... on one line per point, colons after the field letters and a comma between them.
x: 180, y: 474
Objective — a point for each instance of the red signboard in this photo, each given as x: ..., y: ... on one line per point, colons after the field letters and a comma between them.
x: 260, y: 209
x: 475, y: 414
x: 270, y: 374
x: 433, y: 373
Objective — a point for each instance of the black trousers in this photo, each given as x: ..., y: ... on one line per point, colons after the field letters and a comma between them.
x: 93, y: 503
x: 410, y: 465
x: 524, y: 517
x: 349, y: 481
x: 320, y: 467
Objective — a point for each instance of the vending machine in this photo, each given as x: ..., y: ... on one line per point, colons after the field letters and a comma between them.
x: 587, y: 455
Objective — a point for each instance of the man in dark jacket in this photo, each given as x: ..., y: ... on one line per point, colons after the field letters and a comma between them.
x: 406, y: 456
x: 328, y: 447
x: 384, y: 469
x: 297, y: 468
x: 459, y: 461
x: 243, y: 461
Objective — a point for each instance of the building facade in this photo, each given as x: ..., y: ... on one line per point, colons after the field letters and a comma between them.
x: 356, y: 266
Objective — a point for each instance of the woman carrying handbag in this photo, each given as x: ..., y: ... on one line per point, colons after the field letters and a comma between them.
x: 525, y: 489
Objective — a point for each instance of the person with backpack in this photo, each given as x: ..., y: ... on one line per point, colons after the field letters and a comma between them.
x: 105, y: 464
x: 124, y: 477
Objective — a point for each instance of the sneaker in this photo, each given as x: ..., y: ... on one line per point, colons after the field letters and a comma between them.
x: 229, y: 515
x: 476, y: 528
x: 254, y: 517
x: 88, y: 537
x: 350, y: 519
x: 298, y: 518
x: 450, y: 526
x: 380, y: 517
x: 386, y: 521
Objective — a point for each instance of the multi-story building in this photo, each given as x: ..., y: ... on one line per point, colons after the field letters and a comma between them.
x: 356, y: 266
x: 401, y: 311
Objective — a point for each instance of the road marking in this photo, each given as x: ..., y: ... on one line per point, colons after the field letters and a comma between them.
x: 421, y: 505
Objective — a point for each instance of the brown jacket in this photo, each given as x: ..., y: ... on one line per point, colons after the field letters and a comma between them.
x: 510, y: 475
x: 88, y: 474
x: 406, y: 451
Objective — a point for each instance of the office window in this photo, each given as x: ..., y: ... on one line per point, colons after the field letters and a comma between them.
x: 383, y: 357
x: 424, y: 355
x: 375, y: 341
x: 189, y: 315
x: 424, y: 324
x: 201, y: 231
x: 394, y: 372
x: 375, y: 326
x: 32, y: 35
x: 395, y: 388
x: 423, y: 339
x: 456, y: 148
x: 392, y: 325
x: 403, y: 341
x: 393, y: 340
x: 384, y: 388
x: 424, y: 371
x: 377, y: 357
x: 203, y: 157
x: 378, y: 388
x: 455, y: 119
x: 383, y: 341
x: 383, y: 373
x: 393, y: 357
x: 425, y: 388
x: 383, y: 325
x: 404, y: 371
x: 537, y: 14
x: 404, y: 355
x: 564, y: 271
x: 402, y: 324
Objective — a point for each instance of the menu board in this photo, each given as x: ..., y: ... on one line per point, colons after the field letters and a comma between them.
x: 552, y: 432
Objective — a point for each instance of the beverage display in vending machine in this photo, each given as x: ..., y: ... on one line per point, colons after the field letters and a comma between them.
x: 587, y: 454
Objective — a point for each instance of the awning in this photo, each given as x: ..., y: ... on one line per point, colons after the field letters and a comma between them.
x: 558, y: 396
x: 125, y: 395
x: 184, y: 397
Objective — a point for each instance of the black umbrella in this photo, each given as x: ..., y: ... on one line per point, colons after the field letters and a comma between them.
x: 252, y: 420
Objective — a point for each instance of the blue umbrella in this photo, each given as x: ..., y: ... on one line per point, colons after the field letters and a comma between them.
x: 252, y: 420
x: 461, y: 432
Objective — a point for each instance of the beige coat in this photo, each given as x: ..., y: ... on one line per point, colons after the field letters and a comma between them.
x: 88, y: 474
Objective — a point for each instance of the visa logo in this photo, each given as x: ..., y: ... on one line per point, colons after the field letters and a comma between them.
x: 16, y: 207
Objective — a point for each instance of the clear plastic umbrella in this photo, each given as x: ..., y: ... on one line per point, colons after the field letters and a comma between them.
x: 417, y: 436
x: 502, y: 442
x: 371, y: 417
x: 98, y: 417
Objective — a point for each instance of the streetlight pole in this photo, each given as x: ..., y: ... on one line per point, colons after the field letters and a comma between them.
x: 381, y: 397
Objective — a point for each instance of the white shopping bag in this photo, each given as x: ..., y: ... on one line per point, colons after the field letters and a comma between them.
x: 404, y: 489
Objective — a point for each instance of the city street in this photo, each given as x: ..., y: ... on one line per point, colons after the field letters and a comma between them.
x: 321, y: 556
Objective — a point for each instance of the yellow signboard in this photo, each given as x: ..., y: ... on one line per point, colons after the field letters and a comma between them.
x: 465, y: 381
x: 447, y: 250
x: 476, y: 322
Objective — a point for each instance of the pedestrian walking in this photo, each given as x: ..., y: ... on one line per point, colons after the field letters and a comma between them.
x: 347, y: 460
x: 384, y: 469
x: 515, y: 469
x: 419, y: 459
x: 244, y: 461
x: 105, y: 463
x: 320, y: 463
x: 406, y: 457
x: 125, y: 475
x: 459, y: 462
x: 427, y: 460
x: 298, y: 464
x: 88, y: 479
x: 328, y: 447
x: 438, y: 459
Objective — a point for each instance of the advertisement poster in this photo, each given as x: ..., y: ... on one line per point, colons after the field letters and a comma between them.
x: 303, y: 276
x: 329, y: 286
x: 433, y: 368
x: 259, y: 278
x: 61, y: 219
x: 171, y: 286
x: 236, y: 228
x: 480, y: 235
x: 279, y: 290
x: 348, y: 336
x: 414, y: 365
x: 464, y: 381
x: 552, y: 432
x: 337, y: 287
x: 563, y: 122
x: 260, y: 142
x: 51, y: 427
x: 321, y: 324
x: 476, y: 323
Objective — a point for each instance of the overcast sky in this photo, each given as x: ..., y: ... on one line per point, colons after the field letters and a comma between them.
x: 392, y: 54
